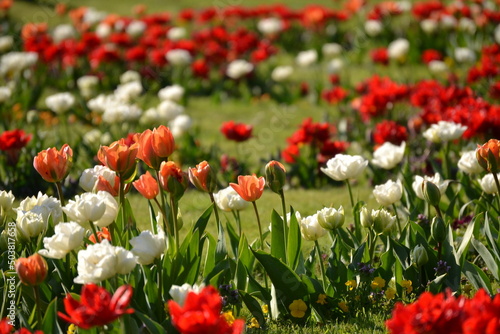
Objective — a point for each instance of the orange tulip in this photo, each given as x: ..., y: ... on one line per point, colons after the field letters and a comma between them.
x: 155, y: 146
x: 173, y: 179
x: 147, y: 186
x: 31, y: 270
x: 249, y: 187
x: 54, y: 165
x: 203, y: 177
x: 488, y: 155
x: 101, y: 235
x: 120, y: 158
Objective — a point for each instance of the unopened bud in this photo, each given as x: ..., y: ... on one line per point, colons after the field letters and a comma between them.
x: 438, y: 229
x: 275, y: 176
x: 431, y: 192
x: 419, y: 255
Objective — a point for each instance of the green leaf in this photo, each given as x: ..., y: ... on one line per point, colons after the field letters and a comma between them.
x: 464, y: 245
x: 202, y: 222
x: 220, y: 250
x: 253, y: 307
x: 278, y: 249
x: 402, y: 253
x: 49, y: 322
x: 234, y: 239
x: 477, y: 277
x: 294, y: 241
x: 487, y: 257
x: 152, y: 326
x: 210, y: 255
x: 289, y: 286
x: 358, y: 257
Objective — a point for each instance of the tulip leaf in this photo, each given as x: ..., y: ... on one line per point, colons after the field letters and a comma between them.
x: 487, y: 257
x: 492, y: 238
x: 152, y: 326
x: 278, y: 248
x: 245, y: 255
x: 254, y: 307
x: 220, y: 250
x: 402, y: 253
x: 358, y: 257
x: 202, y: 222
x: 289, y: 286
x: 49, y: 322
x: 294, y: 250
x: 477, y: 277
x: 233, y: 238
x: 464, y: 245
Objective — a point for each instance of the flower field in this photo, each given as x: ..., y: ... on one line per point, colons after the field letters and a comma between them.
x: 250, y: 167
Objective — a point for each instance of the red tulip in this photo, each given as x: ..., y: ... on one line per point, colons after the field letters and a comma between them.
x: 32, y: 270
x: 201, y: 313
x: 155, y: 146
x: 236, y: 131
x: 147, y: 186
x: 12, y: 142
x: 249, y: 187
x: 54, y: 165
x: 97, y: 307
x: 203, y: 177
x: 120, y: 158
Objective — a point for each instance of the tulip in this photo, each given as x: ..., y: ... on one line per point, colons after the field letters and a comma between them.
x: 96, y: 306
x: 488, y: 155
x: 310, y: 228
x: 85, y: 208
x: 488, y: 185
x: 382, y: 221
x: 388, y: 155
x: 275, y: 176
x: 67, y: 237
x: 53, y: 165
x: 249, y: 187
x: 388, y: 193
x: 330, y: 218
x: 468, y: 163
x: 30, y: 224
x: 147, y: 247
x: 6, y: 201
x: 172, y: 179
x: 180, y: 292
x: 104, y: 234
x: 147, y: 186
x: 444, y: 131
x: 417, y: 184
x: 343, y: 167
x: 155, y: 146
x: 32, y: 270
x: 203, y: 177
x: 419, y: 255
x: 227, y: 199
x: 120, y: 158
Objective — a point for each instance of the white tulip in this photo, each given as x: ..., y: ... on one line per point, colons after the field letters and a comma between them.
x: 6, y: 201
x: 87, y: 85
x: 129, y: 91
x: 429, y: 26
x: 331, y: 50
x: 437, y: 67
x: 88, y: 207
x: 373, y: 28
x: 169, y: 110
x: 388, y: 193
x: 147, y: 247
x: 101, y: 261
x: 48, y: 206
x: 180, y: 292
x: 398, y: 49
x: 90, y: 176
x: 238, y: 68
x: 172, y: 93
x: 270, y: 25
x: 111, y: 211
x: 444, y: 131
x: 310, y: 228
x: 60, y: 103
x: 417, y: 184
x: 176, y: 33
x: 180, y: 125
x: 103, y: 30
x: 5, y: 94
x: 30, y: 224
x: 6, y: 43
x: 468, y: 163
x: 130, y: 76
x: 488, y: 184
x: 343, y: 167
x: 335, y: 66
x: 465, y: 55
x: 67, y: 237
x: 136, y: 28
x: 227, y: 199
x: 179, y: 57
x: 382, y: 221
x: 282, y: 73
x: 388, y: 155
x: 330, y: 218
x: 306, y: 58
x: 63, y: 32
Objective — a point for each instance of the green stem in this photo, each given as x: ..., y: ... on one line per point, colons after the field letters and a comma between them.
x: 350, y: 193
x: 38, y: 306
x: 495, y: 177
x: 372, y: 237
x: 166, y: 225
x: 163, y: 213
x: 446, y: 164
x: 258, y: 222
x: 94, y: 231
x: 438, y: 211
x: 322, y: 266
x: 173, y: 207
x: 61, y: 197
x: 216, y: 210
x: 397, y: 219
x: 285, y: 223
x: 161, y: 307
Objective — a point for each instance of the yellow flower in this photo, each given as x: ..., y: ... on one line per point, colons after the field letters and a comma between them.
x: 72, y: 329
x: 343, y: 306
x: 254, y: 323
x: 229, y: 317
x: 407, y: 285
x: 390, y: 293
x: 298, y: 308
x: 351, y: 284
x: 321, y: 299
x: 378, y: 283
x: 265, y: 309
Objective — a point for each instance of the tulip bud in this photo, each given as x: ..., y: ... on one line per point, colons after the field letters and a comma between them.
x: 32, y: 270
x: 419, y: 255
x: 366, y: 217
x: 275, y: 176
x: 203, y: 177
x: 431, y: 193
x: 382, y: 221
x: 330, y: 218
x: 438, y: 229
x: 488, y: 155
